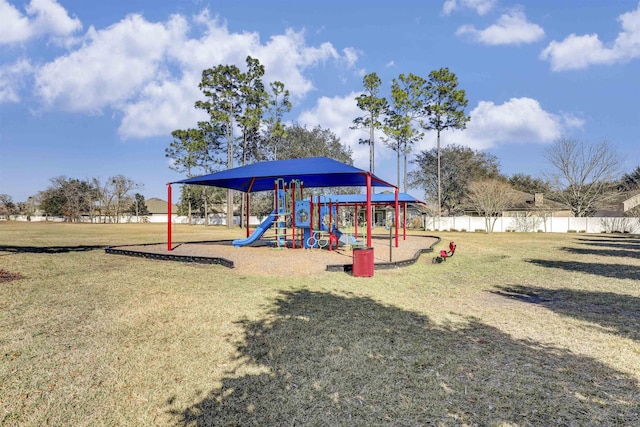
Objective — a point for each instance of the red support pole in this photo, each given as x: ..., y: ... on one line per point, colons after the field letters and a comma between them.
x: 404, y: 220
x: 253, y: 180
x: 319, y: 214
x: 248, y: 196
x: 169, y: 248
x: 292, y: 187
x: 369, y: 210
x: 397, y: 212
x: 311, y: 215
x: 355, y: 221
x: 330, y: 224
x: 284, y: 216
x: 275, y: 195
x: 301, y: 232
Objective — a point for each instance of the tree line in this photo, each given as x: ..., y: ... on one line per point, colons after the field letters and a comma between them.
x: 583, y: 177
x: 245, y: 124
x: 453, y: 177
x: 416, y: 104
x: 298, y: 142
x: 74, y: 199
x: 238, y: 101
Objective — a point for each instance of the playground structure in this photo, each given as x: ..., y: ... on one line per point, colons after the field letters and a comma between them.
x: 314, y: 172
x: 312, y: 221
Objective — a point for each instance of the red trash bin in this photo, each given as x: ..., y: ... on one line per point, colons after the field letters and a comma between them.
x: 362, y: 262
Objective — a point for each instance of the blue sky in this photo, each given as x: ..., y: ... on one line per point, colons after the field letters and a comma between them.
x: 94, y: 89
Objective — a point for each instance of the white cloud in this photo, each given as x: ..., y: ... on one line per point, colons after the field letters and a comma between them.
x: 286, y: 56
x: 12, y: 79
x: 570, y: 120
x: 517, y: 121
x: 337, y: 114
x: 112, y: 65
x: 150, y: 71
x: 15, y: 27
x: 162, y: 107
x: 578, y: 52
x: 43, y: 17
x: 511, y: 28
x: 480, y: 6
x: 351, y: 56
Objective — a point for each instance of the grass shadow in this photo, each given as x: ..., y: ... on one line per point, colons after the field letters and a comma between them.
x: 613, y: 245
x: 611, y: 251
x: 326, y: 359
x: 621, y: 242
x: 612, y: 240
x: 619, y: 314
x: 49, y: 249
x: 616, y: 271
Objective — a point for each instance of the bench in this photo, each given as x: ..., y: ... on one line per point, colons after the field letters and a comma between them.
x: 444, y: 254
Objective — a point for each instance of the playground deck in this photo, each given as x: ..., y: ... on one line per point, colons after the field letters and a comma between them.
x: 262, y: 259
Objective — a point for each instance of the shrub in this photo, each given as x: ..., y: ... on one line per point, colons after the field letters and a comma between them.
x: 415, y: 222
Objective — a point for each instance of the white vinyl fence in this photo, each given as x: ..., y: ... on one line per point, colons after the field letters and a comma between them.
x: 214, y: 219
x: 522, y: 223
x: 536, y: 224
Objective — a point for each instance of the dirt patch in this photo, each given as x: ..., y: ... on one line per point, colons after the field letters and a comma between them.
x: 7, y: 276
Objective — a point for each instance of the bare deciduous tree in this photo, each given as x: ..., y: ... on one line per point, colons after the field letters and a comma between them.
x: 120, y: 188
x: 459, y: 167
x: 583, y: 173
x: 114, y: 196
x: 7, y: 207
x: 490, y: 198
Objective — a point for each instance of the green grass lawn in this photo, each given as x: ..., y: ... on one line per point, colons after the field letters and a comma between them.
x: 515, y: 329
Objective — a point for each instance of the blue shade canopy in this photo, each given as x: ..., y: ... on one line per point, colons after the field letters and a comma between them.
x: 378, y: 198
x: 312, y: 171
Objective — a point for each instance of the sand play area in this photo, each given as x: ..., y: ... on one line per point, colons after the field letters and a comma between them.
x: 260, y: 258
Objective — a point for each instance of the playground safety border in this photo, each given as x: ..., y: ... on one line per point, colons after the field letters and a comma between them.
x: 387, y: 265
x: 345, y: 268
x: 171, y: 257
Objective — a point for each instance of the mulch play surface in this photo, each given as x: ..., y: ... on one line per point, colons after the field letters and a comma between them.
x: 260, y: 258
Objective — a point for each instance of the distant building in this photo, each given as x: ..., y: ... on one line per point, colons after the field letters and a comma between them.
x: 158, y: 206
x: 621, y: 204
x: 530, y: 204
x: 537, y: 204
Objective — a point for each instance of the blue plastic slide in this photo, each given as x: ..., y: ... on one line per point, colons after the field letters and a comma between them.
x: 258, y: 232
x: 346, y: 239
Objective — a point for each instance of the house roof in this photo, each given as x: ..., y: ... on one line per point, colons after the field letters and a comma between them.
x: 526, y: 201
x: 312, y: 171
x: 616, y: 204
x: 158, y: 206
